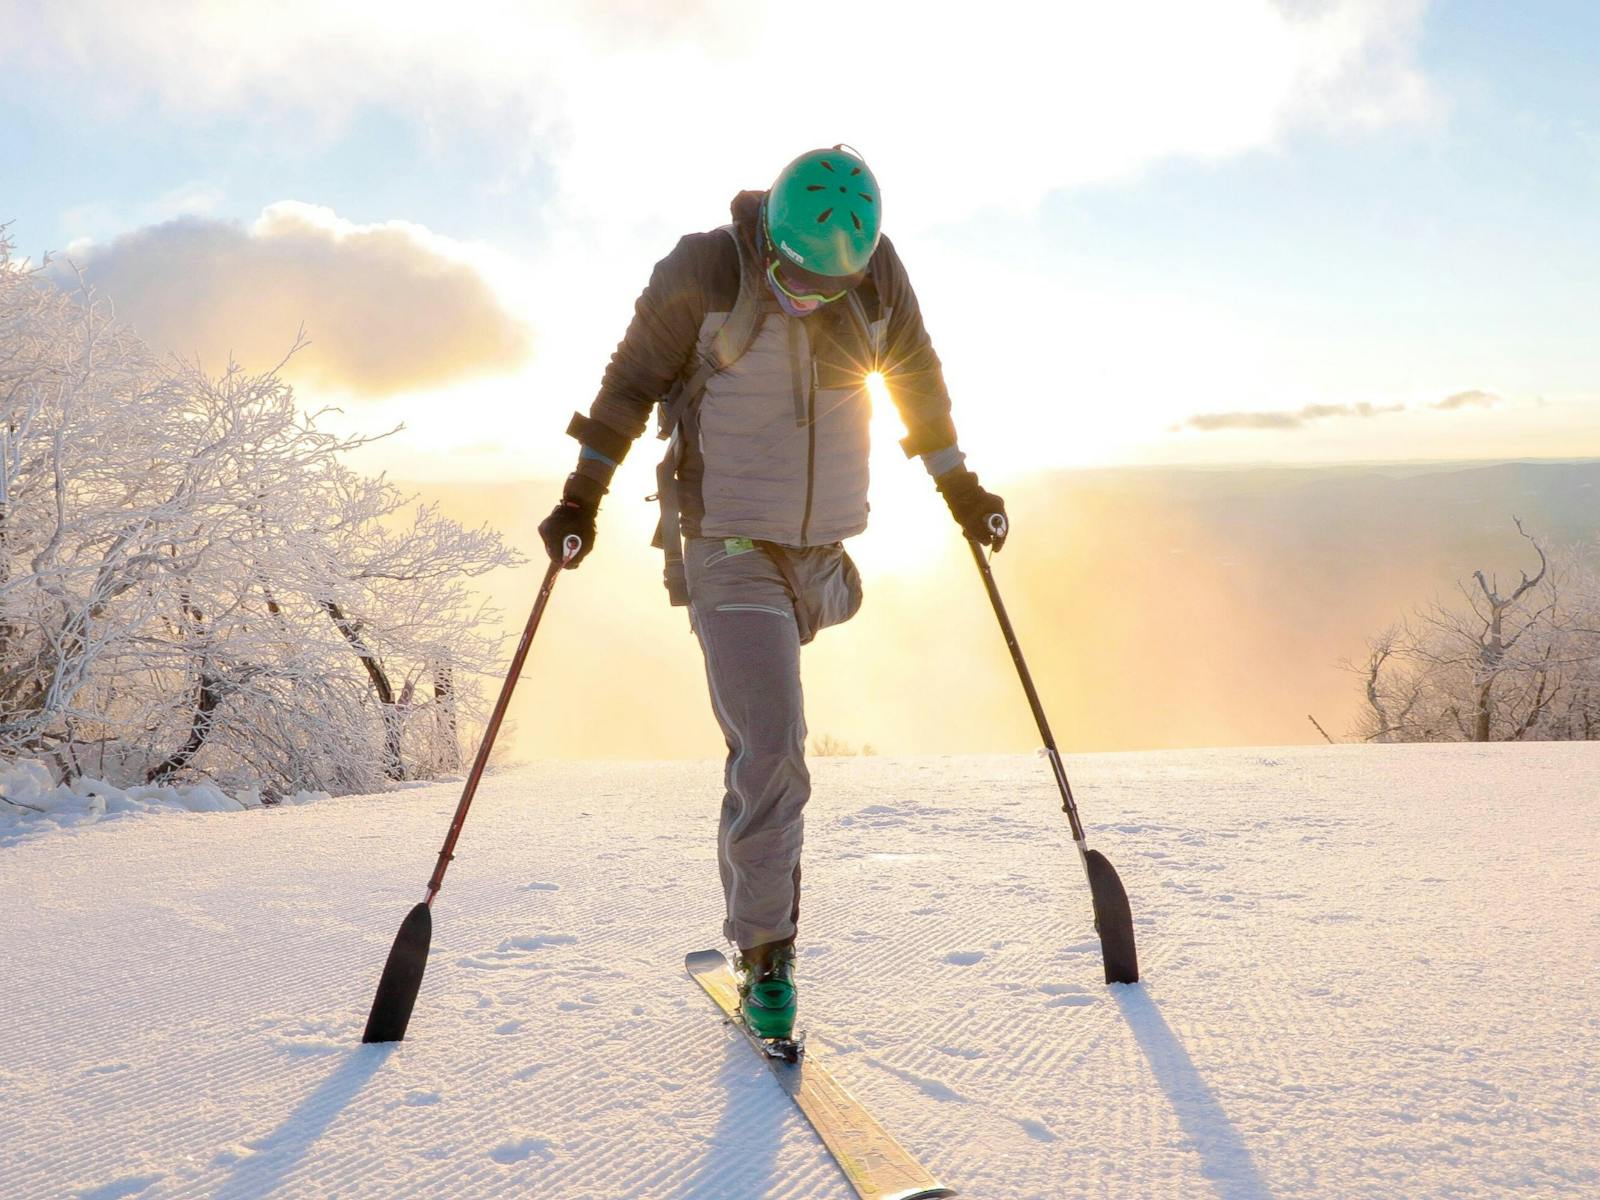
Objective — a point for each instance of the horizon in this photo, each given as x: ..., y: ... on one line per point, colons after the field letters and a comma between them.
x: 1077, y: 469
x: 1284, y: 589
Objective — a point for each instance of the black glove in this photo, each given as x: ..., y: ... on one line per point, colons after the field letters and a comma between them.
x: 972, y: 507
x: 576, y: 513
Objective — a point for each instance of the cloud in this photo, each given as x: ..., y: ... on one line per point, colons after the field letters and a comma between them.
x: 960, y: 110
x: 1297, y: 419
x: 1469, y: 399
x: 388, y: 307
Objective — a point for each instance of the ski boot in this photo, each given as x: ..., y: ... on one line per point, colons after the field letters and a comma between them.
x: 766, y: 990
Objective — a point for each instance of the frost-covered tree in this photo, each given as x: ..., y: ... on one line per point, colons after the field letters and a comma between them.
x: 1578, y: 719
x: 1511, y: 663
x: 193, y: 584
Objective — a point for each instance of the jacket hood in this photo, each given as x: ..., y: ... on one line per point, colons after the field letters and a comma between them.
x: 746, y: 206
x: 746, y: 210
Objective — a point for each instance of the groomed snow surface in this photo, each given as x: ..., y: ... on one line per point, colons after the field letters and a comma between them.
x: 1369, y: 972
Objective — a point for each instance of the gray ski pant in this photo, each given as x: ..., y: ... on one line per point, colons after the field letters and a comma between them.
x: 752, y: 606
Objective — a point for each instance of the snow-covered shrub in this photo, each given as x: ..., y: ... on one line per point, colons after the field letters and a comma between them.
x: 193, y: 585
x: 31, y: 799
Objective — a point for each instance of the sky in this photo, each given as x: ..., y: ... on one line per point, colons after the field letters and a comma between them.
x: 1148, y: 233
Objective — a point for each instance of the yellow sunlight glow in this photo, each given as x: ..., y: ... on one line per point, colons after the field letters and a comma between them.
x: 908, y: 518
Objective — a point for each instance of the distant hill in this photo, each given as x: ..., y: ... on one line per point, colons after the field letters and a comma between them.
x: 1159, y: 607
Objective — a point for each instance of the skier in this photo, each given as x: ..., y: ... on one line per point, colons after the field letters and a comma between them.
x: 757, y: 339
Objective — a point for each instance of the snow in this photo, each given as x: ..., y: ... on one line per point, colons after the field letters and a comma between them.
x: 33, y: 803
x: 1369, y: 972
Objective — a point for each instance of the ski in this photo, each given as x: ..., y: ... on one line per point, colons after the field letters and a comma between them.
x: 877, y: 1166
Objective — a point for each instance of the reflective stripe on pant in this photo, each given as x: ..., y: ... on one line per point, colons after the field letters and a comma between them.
x: 743, y: 612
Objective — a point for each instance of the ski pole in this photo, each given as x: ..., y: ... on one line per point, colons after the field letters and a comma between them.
x: 402, y: 972
x: 1113, y: 918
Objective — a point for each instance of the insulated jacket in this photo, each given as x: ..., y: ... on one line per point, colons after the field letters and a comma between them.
x: 777, y: 448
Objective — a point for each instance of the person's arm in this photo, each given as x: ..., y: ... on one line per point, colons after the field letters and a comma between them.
x: 649, y: 359
x: 915, y: 380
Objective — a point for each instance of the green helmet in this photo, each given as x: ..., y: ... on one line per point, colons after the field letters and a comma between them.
x: 824, y: 213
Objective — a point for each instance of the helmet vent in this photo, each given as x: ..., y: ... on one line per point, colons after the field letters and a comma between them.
x: 827, y: 204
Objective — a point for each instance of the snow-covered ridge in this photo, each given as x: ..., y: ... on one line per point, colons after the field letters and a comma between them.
x: 33, y: 802
x: 1368, y: 973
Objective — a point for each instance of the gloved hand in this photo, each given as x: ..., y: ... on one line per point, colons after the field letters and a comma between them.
x: 580, y: 504
x: 972, y: 506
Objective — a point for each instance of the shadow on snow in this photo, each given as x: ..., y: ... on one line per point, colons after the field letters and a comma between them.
x: 277, y: 1154
x: 1225, y: 1160
x: 741, y: 1158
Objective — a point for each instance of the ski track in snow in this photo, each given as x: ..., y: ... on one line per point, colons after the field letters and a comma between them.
x: 1369, y: 972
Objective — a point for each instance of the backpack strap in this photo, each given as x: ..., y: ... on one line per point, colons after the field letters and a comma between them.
x: 721, y: 350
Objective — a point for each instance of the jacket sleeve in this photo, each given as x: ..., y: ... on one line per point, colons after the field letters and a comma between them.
x: 911, y: 369
x: 649, y: 359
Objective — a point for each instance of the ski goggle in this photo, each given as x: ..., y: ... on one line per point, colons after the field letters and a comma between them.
x: 795, y: 290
